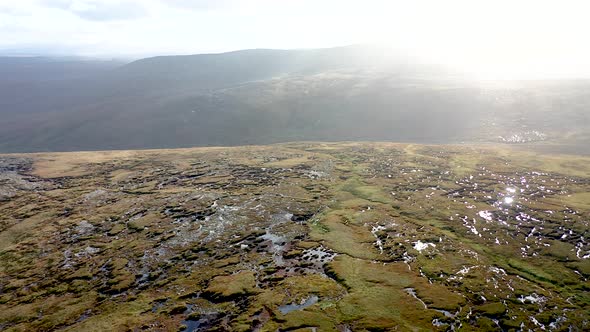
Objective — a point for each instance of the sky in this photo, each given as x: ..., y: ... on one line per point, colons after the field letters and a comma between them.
x: 533, y: 38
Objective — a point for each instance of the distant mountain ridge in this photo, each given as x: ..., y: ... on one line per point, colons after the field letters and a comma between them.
x: 265, y: 96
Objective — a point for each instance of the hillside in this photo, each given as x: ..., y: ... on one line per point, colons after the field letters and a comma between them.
x: 268, y: 96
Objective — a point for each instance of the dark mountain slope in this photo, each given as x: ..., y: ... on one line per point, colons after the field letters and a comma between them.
x: 267, y: 96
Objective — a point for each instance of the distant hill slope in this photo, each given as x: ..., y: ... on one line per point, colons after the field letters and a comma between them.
x: 42, y: 69
x: 267, y: 96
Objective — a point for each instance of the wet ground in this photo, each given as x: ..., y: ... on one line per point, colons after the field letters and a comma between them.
x: 325, y: 237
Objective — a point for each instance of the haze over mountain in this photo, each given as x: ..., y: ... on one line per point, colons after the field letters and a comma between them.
x: 265, y: 96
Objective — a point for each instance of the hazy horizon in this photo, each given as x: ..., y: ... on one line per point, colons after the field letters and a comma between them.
x: 527, y: 39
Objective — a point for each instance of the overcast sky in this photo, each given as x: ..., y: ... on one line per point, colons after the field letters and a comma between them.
x: 526, y: 36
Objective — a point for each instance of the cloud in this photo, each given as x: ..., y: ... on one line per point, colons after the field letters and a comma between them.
x: 100, y: 10
x: 200, y: 4
x: 17, y: 8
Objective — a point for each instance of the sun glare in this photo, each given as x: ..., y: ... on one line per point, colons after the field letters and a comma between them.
x: 495, y: 39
